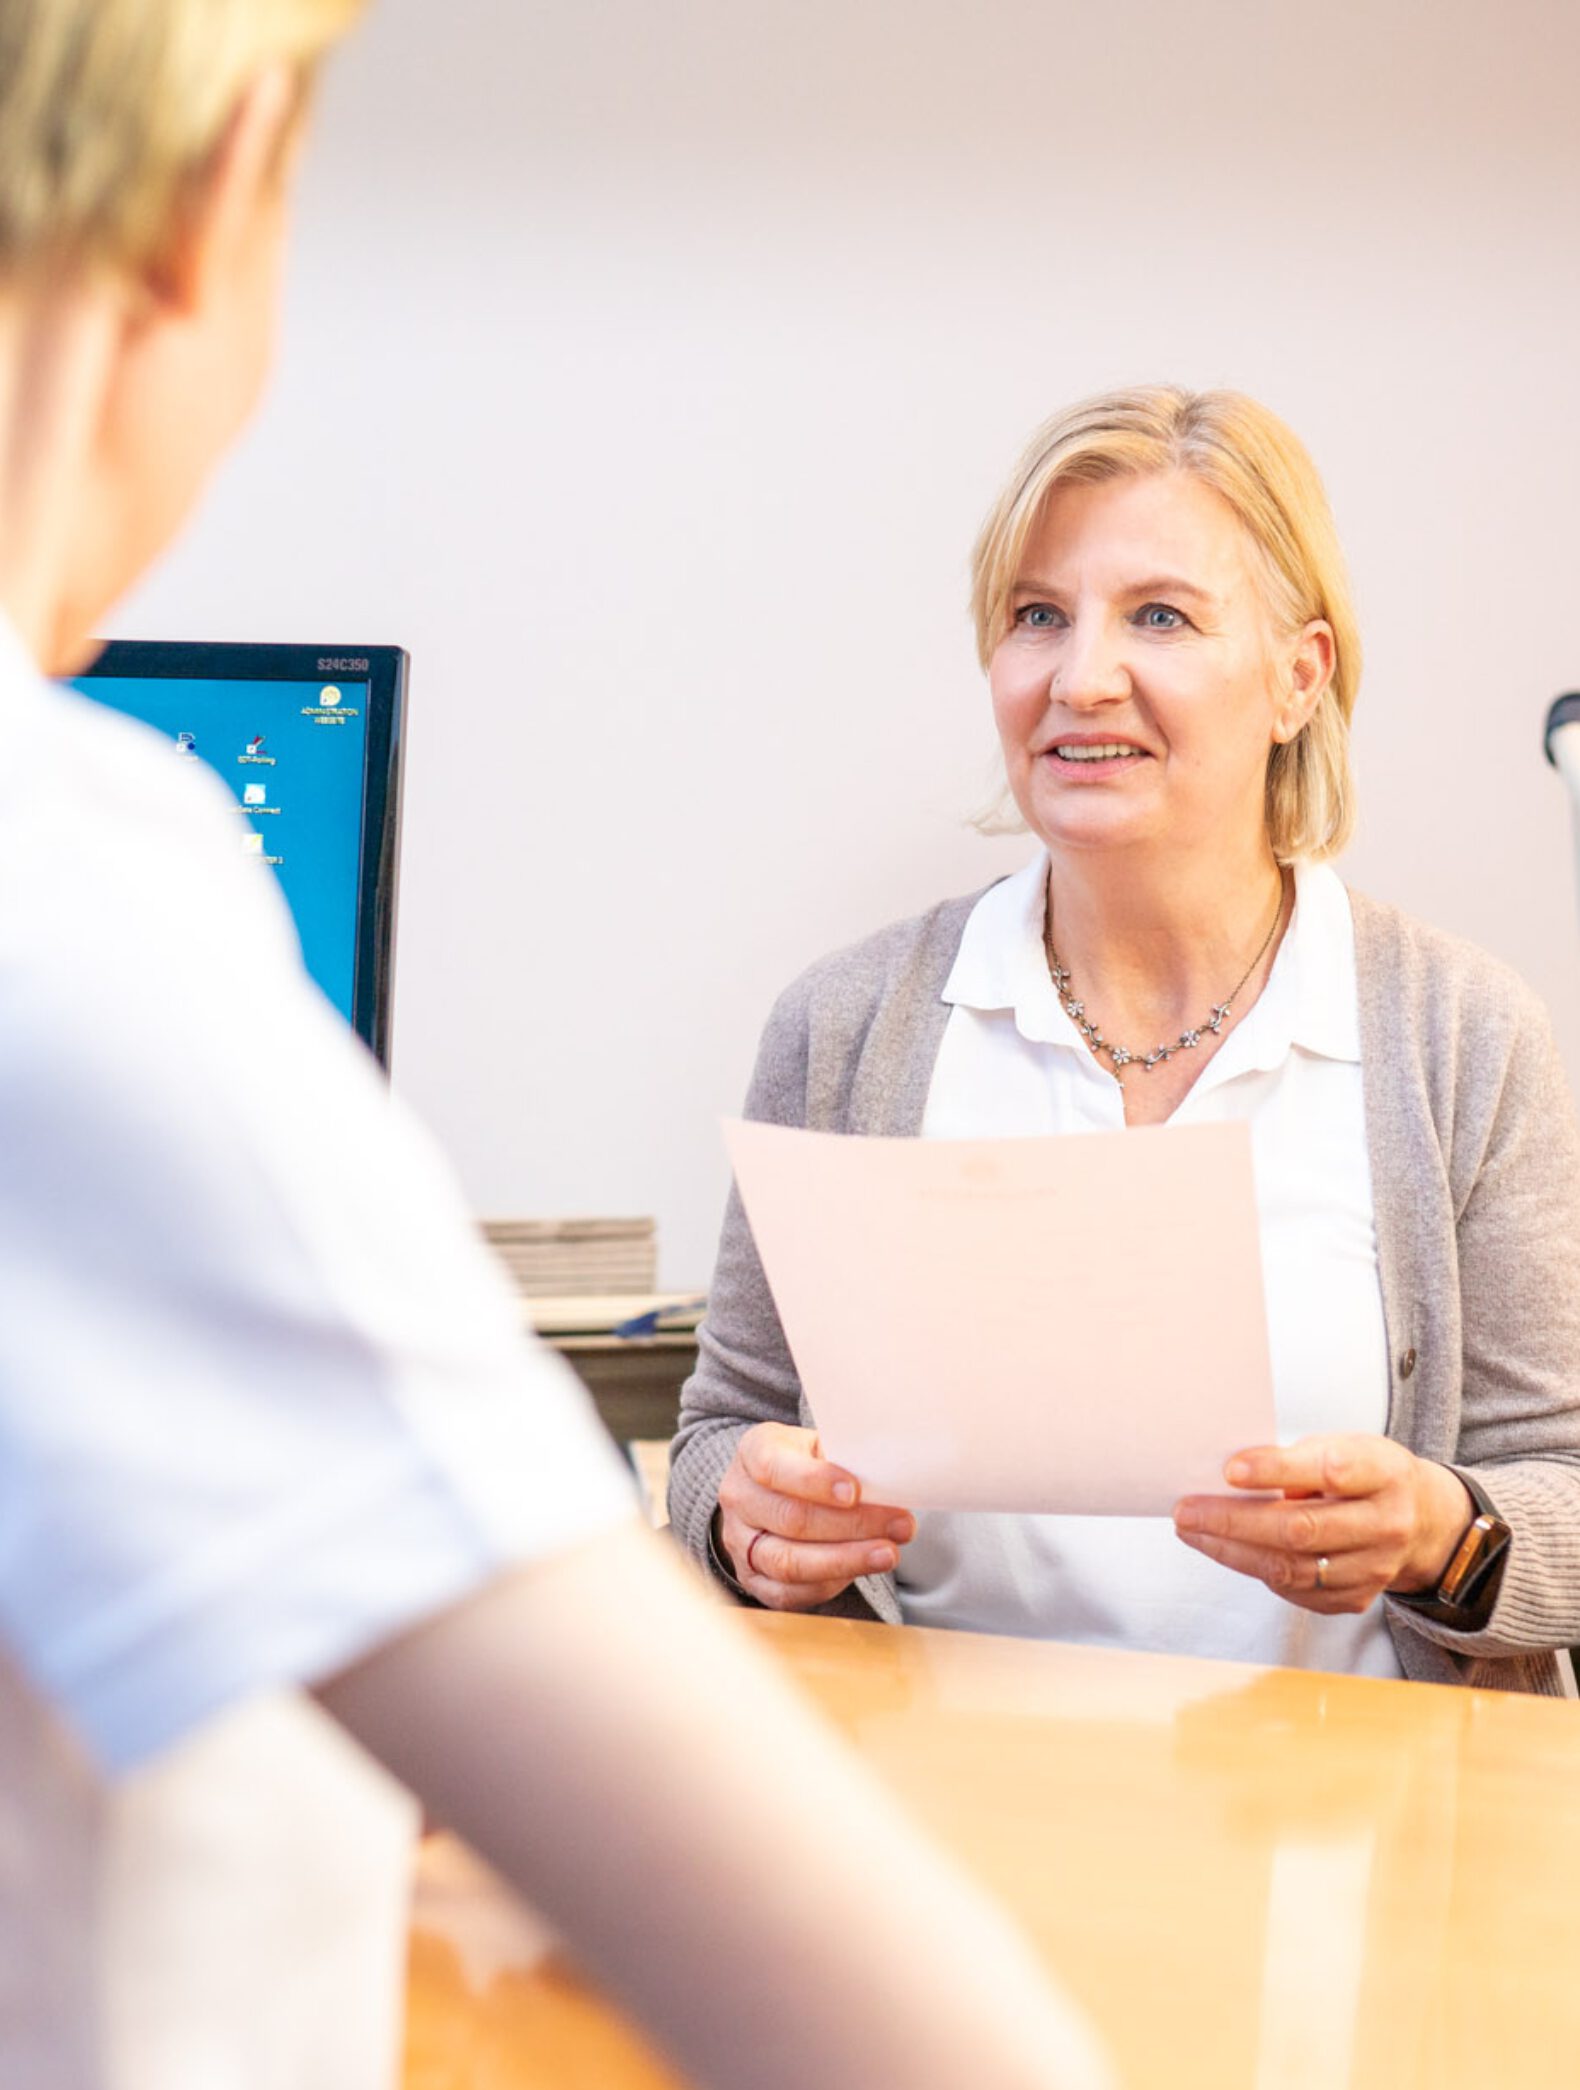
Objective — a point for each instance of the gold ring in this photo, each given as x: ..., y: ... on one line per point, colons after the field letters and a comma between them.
x: 1322, y: 1571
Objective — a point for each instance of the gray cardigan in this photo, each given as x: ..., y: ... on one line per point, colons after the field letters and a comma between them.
x: 1475, y: 1161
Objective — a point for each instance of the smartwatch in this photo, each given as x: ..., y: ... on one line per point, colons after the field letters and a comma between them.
x: 1468, y: 1587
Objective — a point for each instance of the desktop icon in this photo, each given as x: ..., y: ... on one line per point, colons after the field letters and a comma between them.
x: 186, y: 743
x: 254, y: 794
x: 255, y: 745
x: 251, y: 843
x: 330, y: 696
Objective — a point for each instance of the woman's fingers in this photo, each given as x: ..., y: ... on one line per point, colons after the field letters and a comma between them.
x: 794, y: 1525
x: 787, y: 1461
x: 778, y: 1482
x: 1348, y: 1465
x: 1343, y: 1528
x: 797, y: 1565
x: 1317, y: 1582
x: 794, y: 1517
x: 1310, y: 1526
x: 797, y: 1575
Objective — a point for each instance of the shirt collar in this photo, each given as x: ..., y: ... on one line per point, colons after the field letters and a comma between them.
x: 1309, y: 1001
x: 1320, y: 943
x: 1001, y: 963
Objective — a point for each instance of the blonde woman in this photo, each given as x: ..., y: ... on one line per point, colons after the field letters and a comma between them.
x: 266, y: 1420
x: 1162, y: 612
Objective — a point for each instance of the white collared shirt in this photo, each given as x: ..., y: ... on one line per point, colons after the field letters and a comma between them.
x: 264, y: 1402
x: 1012, y: 1064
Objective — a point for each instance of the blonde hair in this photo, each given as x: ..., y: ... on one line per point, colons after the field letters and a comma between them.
x: 109, y: 109
x: 1261, y: 469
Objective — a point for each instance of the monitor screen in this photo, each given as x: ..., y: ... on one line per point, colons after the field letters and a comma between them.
x: 307, y: 739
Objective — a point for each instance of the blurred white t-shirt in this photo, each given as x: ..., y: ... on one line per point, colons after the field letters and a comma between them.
x: 264, y: 1402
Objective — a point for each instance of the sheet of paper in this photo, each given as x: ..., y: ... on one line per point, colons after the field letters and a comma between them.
x: 1071, y: 1324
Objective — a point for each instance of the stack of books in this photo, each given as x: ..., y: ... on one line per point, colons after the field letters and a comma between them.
x: 570, y: 1258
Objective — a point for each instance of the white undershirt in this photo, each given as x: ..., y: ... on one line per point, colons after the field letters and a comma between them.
x: 1011, y: 1065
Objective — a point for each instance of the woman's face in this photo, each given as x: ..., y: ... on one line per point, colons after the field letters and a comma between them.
x: 1141, y: 685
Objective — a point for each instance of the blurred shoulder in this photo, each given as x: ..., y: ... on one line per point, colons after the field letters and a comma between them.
x: 131, y: 923
x: 92, y: 800
x: 103, y: 760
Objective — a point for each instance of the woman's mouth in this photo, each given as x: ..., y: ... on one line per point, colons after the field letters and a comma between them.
x: 1094, y: 758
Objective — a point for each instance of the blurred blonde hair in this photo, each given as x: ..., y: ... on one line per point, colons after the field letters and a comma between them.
x: 1256, y: 464
x: 109, y: 109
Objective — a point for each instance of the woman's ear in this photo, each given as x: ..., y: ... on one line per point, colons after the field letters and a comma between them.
x: 241, y: 182
x: 1309, y: 669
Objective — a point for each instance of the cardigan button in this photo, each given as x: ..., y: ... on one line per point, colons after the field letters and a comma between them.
x: 1407, y: 1364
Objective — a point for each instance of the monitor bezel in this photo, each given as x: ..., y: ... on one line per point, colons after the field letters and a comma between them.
x: 385, y: 670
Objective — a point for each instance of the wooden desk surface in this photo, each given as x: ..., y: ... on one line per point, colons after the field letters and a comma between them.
x: 1253, y: 1879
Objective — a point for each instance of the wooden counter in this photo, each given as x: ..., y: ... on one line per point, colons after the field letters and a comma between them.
x: 1253, y: 1879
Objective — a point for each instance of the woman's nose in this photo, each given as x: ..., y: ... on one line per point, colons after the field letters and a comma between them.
x: 1091, y: 669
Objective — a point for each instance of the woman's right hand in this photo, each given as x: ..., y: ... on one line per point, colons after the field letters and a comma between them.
x: 813, y: 1533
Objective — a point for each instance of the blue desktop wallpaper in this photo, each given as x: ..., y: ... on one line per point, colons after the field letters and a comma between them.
x: 291, y: 752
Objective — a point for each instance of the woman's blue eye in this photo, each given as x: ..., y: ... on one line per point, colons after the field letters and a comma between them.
x: 1037, y: 616
x: 1158, y: 616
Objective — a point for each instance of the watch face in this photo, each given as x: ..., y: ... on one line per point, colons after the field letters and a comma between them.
x: 1478, y: 1551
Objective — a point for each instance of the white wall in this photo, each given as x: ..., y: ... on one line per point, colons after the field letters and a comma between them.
x: 647, y: 369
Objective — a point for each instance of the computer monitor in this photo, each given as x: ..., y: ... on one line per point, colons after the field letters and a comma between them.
x: 308, y: 738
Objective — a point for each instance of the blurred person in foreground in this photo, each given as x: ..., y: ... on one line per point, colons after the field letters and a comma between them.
x: 266, y: 1419
x: 1162, y: 611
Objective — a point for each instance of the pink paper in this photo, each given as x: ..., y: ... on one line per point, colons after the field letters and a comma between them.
x: 1069, y: 1324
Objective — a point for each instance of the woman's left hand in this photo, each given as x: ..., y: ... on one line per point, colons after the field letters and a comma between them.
x: 1354, y: 1516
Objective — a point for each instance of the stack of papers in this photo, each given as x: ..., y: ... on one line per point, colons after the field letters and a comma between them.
x: 557, y: 1258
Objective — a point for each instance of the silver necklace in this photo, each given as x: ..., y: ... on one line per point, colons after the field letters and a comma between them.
x: 1187, y: 1041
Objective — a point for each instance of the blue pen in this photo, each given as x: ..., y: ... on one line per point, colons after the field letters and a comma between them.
x: 647, y: 1324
